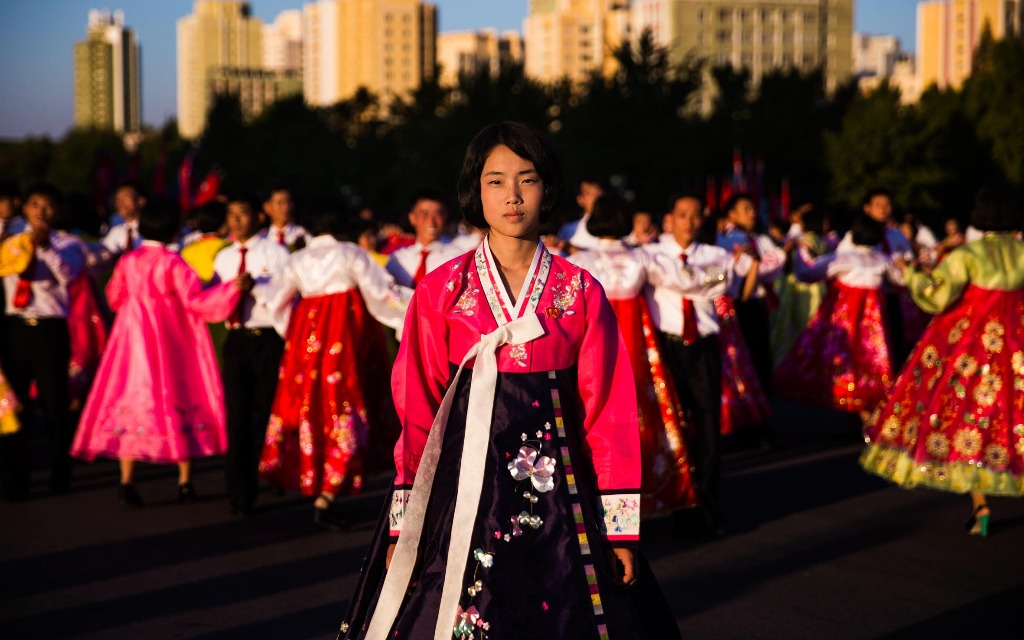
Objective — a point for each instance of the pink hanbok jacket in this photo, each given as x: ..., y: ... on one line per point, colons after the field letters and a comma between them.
x: 157, y: 396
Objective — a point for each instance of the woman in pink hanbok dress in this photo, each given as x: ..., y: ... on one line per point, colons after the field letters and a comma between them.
x: 516, y: 510
x: 157, y: 396
x: 843, y: 358
x: 666, y: 481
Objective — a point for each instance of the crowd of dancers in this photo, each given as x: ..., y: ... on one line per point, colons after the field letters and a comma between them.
x: 634, y: 343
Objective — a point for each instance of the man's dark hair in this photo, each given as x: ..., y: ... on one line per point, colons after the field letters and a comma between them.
x: 610, y: 218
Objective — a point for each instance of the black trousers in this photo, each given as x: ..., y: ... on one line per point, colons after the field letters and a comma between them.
x: 697, y: 373
x: 752, y: 317
x: 251, y: 360
x: 36, y: 350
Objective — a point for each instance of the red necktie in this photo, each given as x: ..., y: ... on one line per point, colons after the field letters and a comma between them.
x: 690, y: 333
x: 422, y: 271
x: 236, y: 315
x: 129, y: 243
x: 280, y: 238
x: 23, y: 292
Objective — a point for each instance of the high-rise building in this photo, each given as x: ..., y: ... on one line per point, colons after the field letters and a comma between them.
x: 948, y: 33
x: 462, y: 53
x: 282, y: 42
x: 218, y: 34
x: 572, y: 38
x: 107, y: 92
x: 878, y: 59
x: 389, y: 48
x: 255, y: 89
x: 763, y: 35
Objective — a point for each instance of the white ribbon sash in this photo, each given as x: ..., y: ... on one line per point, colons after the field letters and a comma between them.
x: 467, y: 499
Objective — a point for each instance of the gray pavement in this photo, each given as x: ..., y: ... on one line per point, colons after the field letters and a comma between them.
x: 815, y: 548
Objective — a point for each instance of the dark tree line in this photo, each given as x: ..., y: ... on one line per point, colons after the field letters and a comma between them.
x: 641, y: 125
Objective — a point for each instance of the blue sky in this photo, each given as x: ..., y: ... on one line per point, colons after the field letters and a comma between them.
x: 37, y: 38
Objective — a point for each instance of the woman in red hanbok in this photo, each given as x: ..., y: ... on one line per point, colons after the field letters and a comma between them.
x: 953, y: 420
x: 666, y: 483
x: 518, y: 469
x: 157, y: 396
x: 842, y: 359
x: 744, y: 404
x: 330, y: 419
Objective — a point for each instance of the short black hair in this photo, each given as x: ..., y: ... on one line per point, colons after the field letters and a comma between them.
x: 273, y: 187
x: 134, y: 185
x: 526, y: 142
x: 46, y: 190
x: 610, y: 218
x: 327, y: 216
x: 679, y: 195
x: 9, y: 189
x: 996, y: 209
x: 594, y: 180
x: 735, y: 199
x: 243, y: 197
x: 874, y: 193
x: 160, y: 220
x: 429, y: 193
x: 210, y: 216
x: 866, y: 231
x: 813, y: 221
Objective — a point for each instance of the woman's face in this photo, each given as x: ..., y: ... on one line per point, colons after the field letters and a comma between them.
x: 743, y: 215
x: 511, y: 193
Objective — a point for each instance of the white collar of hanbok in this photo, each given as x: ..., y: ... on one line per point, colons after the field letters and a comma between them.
x: 497, y: 297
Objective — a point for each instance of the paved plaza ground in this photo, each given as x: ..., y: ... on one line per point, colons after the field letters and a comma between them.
x: 816, y: 548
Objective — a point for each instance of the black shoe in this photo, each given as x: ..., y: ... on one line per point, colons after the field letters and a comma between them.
x: 128, y: 496
x: 187, y: 493
x: 330, y: 516
x: 60, y: 481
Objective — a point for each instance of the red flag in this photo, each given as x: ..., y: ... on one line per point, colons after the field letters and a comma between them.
x: 208, y: 188
x: 784, y: 200
x: 726, y: 191
x: 103, y: 179
x: 160, y: 173
x: 710, y: 194
x: 185, y: 181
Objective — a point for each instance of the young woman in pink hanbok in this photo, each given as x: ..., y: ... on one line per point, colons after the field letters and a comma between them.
x: 953, y: 419
x: 157, y: 396
x: 843, y: 358
x: 666, y: 483
x: 515, y: 511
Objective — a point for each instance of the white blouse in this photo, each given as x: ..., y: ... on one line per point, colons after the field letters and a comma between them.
x: 328, y: 266
x: 620, y: 270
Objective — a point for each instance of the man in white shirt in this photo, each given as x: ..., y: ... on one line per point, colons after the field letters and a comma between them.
x: 37, y: 266
x: 124, y: 236
x: 278, y: 208
x: 428, y: 216
x: 575, y: 233
x: 684, y: 279
x: 252, y: 350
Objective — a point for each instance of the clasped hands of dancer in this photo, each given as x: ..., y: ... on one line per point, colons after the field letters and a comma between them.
x: 625, y: 567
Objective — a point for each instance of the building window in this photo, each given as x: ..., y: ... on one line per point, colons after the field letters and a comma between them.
x: 785, y: 15
x: 747, y: 60
x: 724, y: 14
x: 766, y: 37
x: 744, y: 15
x: 787, y: 37
x: 809, y: 18
x: 724, y: 35
x: 702, y: 16
x: 748, y: 36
